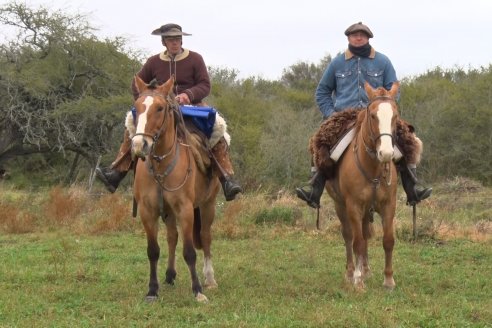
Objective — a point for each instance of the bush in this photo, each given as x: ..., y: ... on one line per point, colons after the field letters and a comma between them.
x: 276, y: 215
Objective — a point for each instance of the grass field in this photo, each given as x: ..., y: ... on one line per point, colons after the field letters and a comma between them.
x: 68, y: 259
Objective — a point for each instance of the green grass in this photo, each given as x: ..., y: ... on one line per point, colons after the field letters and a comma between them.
x: 294, y: 279
x: 68, y: 259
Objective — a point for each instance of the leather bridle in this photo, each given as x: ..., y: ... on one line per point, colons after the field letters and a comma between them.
x: 175, y: 148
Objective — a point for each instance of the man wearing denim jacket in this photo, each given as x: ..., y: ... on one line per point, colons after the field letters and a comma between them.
x: 342, y: 87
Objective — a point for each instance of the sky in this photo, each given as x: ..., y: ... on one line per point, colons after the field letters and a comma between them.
x: 262, y: 38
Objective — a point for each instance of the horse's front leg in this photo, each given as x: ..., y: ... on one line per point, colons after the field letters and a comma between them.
x: 186, y: 216
x: 151, y: 227
x: 349, y: 240
x: 172, y: 241
x: 388, y: 244
x: 206, y: 215
x: 354, y: 216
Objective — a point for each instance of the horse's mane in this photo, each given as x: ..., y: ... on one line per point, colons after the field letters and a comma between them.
x: 380, y: 92
x: 153, y: 84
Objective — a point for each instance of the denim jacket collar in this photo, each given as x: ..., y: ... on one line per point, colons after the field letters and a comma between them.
x: 349, y: 54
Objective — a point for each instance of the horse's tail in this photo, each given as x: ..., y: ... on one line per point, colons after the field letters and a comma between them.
x: 197, y: 226
x: 368, y: 229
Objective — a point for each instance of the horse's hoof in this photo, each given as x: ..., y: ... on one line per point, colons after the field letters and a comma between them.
x: 359, y: 285
x: 201, y: 298
x: 389, y: 288
x: 150, y: 299
x: 389, y: 284
x: 210, y: 284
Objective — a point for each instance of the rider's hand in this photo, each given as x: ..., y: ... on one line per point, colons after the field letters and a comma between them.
x: 183, y: 99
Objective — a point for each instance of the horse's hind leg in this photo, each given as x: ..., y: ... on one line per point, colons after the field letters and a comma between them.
x: 367, y: 234
x: 172, y: 240
x: 207, y: 217
x: 186, y: 220
x: 153, y: 251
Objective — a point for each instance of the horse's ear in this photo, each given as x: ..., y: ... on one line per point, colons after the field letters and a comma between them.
x: 369, y: 90
x: 168, y: 86
x: 140, y: 84
x: 394, y: 89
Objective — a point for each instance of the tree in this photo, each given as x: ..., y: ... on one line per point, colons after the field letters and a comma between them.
x: 61, y: 88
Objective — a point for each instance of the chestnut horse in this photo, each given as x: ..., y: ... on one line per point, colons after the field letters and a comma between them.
x: 366, y: 182
x: 169, y: 184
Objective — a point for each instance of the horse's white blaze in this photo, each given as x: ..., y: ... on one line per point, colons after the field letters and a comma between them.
x: 385, y: 114
x: 138, y: 141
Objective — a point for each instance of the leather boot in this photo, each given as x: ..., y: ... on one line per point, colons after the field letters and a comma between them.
x: 230, y: 187
x: 223, y: 166
x: 111, y: 176
x: 311, y: 194
x: 409, y: 182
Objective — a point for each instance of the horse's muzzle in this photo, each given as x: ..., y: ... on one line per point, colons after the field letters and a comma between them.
x: 385, y: 150
x: 140, y: 147
x: 385, y: 157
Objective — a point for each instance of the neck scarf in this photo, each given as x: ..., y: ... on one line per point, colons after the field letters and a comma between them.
x: 363, y: 51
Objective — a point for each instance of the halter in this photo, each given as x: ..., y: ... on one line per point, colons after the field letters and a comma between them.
x: 159, y: 177
x: 375, y: 182
x: 374, y: 138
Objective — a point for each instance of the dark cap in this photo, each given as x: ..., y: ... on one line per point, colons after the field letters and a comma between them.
x: 358, y: 27
x: 169, y: 30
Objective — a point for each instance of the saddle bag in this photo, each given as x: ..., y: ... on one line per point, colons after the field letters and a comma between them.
x: 202, y: 117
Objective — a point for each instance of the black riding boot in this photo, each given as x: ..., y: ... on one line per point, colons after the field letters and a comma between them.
x: 311, y: 194
x: 230, y: 187
x: 110, y: 177
x: 409, y: 183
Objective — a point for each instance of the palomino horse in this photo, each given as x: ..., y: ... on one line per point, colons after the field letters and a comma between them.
x: 169, y: 184
x: 366, y: 183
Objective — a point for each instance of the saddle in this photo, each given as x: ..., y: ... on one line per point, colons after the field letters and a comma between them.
x: 198, y: 143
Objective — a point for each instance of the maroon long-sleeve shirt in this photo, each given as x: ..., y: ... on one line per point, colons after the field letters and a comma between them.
x: 188, y: 68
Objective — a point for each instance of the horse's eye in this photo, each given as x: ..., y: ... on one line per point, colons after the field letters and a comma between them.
x: 160, y: 108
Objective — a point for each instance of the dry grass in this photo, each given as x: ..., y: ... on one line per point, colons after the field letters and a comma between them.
x: 459, y: 208
x: 72, y: 209
x: 15, y: 221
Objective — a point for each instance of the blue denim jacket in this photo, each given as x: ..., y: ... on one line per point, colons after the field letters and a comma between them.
x: 342, y: 84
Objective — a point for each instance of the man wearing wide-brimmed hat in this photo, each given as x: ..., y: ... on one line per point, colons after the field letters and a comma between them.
x: 342, y: 87
x: 192, y: 85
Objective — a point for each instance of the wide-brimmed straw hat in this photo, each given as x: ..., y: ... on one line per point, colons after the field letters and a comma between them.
x: 358, y: 27
x: 169, y: 30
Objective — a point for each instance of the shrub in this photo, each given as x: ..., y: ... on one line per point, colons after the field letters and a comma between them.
x: 275, y: 215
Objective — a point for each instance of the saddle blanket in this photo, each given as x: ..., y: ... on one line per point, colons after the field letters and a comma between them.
x: 342, y: 144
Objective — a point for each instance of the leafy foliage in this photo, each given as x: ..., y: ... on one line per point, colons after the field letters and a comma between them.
x: 63, y: 93
x: 452, y: 111
x: 61, y: 88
